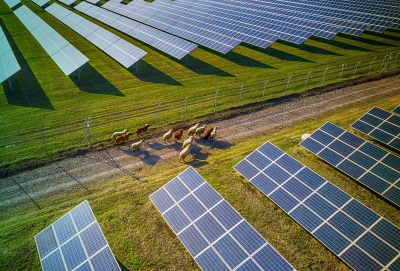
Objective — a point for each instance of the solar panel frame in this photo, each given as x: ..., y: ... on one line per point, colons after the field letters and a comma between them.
x: 12, y: 3
x: 364, y: 162
x: 214, y: 234
x: 40, y: 3
x: 8, y: 63
x: 75, y: 241
x: 344, y: 225
x: 396, y: 110
x: 380, y: 125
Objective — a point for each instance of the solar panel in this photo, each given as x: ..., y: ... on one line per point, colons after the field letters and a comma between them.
x: 12, y: 3
x: 8, y: 63
x: 40, y: 3
x: 75, y: 242
x: 357, y: 235
x: 95, y: 2
x: 67, y: 2
x: 381, y: 125
x: 372, y: 166
x: 217, y: 237
x: 397, y: 110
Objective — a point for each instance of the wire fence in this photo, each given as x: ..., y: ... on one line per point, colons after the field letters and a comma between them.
x: 31, y: 147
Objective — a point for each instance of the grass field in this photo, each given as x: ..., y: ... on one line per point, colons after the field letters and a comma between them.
x: 43, y: 98
x: 141, y: 239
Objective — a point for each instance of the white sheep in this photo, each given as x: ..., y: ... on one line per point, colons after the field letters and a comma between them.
x: 136, y: 146
x: 200, y: 130
x: 117, y: 134
x: 185, y: 152
x: 192, y: 129
x: 213, y: 134
x: 188, y: 141
x: 167, y: 136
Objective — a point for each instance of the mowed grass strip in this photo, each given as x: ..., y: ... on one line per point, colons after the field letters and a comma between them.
x: 142, y: 240
x: 44, y: 97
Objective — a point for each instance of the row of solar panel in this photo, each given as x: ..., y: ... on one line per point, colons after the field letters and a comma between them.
x: 164, y: 42
x: 353, y: 232
x: 8, y: 63
x: 120, y: 50
x: 66, y: 56
x: 12, y: 3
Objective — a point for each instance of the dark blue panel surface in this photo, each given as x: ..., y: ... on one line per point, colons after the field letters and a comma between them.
x: 193, y: 240
x: 297, y: 189
x: 320, y: 206
x: 362, y: 159
x: 322, y: 137
x: 392, y: 161
x: 104, y: 261
x: 341, y: 148
x: 64, y: 228
x: 332, y: 239
x: 393, y: 194
x: 162, y: 200
x: 176, y: 189
x: 248, y: 266
x: 361, y: 213
x: 283, y: 200
x: 290, y: 164
x: 388, y: 232
x: 246, y: 169
x: 332, y: 129
x: 376, y: 248
x: 84, y: 267
x: 230, y: 251
x: 334, y: 194
x: 209, y: 260
x: 346, y: 225
x: 269, y: 259
x: 270, y: 151
x: 351, y: 169
x: 73, y: 253
x: 247, y: 237
x: 93, y: 239
x: 330, y: 156
x: 373, y: 151
x: 310, y: 178
x: 192, y: 207
x: 306, y: 218
x: 264, y: 184
x: 386, y: 173
x: 371, y: 120
x: 312, y: 145
x: 210, y: 228
x: 358, y: 260
x: 259, y: 160
x: 82, y: 215
x: 380, y: 113
x: 176, y: 219
x: 352, y: 140
x: 395, y: 266
x: 276, y: 173
x: 363, y: 127
x: 226, y: 215
x: 191, y: 178
x: 381, y: 136
x: 374, y: 182
x: 46, y: 242
x: 207, y: 195
x: 53, y: 262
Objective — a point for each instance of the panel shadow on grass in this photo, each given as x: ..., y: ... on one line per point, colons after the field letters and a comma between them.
x: 287, y: 56
x: 382, y: 35
x: 93, y: 82
x: 200, y: 67
x: 27, y: 90
x: 366, y: 40
x: 246, y: 61
x: 149, y: 73
x: 319, y: 51
x: 342, y: 45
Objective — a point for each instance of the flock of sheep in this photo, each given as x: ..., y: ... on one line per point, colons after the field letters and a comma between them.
x: 200, y: 131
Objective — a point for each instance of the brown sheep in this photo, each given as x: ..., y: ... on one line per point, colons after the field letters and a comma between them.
x: 123, y: 138
x: 178, y: 134
x: 207, y: 134
x: 142, y: 129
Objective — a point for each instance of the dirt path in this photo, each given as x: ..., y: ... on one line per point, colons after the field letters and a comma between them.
x: 105, y: 164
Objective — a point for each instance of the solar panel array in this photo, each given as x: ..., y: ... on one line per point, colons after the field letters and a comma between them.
x: 216, y: 236
x: 67, y: 2
x: 12, y: 3
x: 94, y: 2
x: 352, y: 231
x: 381, y: 125
x: 164, y: 42
x: 40, y: 3
x: 372, y: 166
x: 66, y: 56
x: 75, y: 242
x: 122, y: 51
x: 397, y: 110
x: 8, y: 63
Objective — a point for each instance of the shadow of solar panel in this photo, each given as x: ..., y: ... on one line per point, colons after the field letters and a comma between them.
x: 372, y: 166
x: 40, y: 3
x: 345, y: 226
x: 12, y: 3
x: 216, y: 236
x: 74, y: 240
x: 380, y: 125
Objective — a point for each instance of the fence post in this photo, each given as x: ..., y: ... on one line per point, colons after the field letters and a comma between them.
x: 371, y: 65
x: 287, y: 85
x: 264, y: 90
x: 343, y: 66
x: 396, y: 59
x: 122, y: 118
x: 186, y: 107
x: 215, y: 101
x: 356, y: 68
x: 305, y: 85
x: 323, y: 78
x: 158, y: 115
x: 44, y: 143
x: 383, y: 62
x: 240, y: 95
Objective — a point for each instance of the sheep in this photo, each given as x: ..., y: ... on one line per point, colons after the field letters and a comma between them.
x: 192, y: 129
x: 167, y: 136
x: 185, y: 152
x: 136, y: 146
x: 213, y: 134
x: 116, y: 134
x: 188, y: 141
x: 200, y: 130
x: 123, y: 138
x: 178, y: 134
x: 207, y: 134
x: 142, y: 129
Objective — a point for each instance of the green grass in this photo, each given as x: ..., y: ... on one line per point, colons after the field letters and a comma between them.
x: 142, y: 240
x: 43, y: 98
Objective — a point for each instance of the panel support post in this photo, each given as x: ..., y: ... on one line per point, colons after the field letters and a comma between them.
x: 10, y: 84
x: 230, y: 55
x: 137, y: 66
x: 187, y: 59
x: 269, y: 49
x: 79, y: 74
x: 302, y: 45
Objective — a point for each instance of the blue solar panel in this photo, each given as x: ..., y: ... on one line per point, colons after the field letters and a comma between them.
x: 75, y: 242
x: 40, y: 3
x: 8, y: 63
x: 345, y: 226
x: 397, y: 110
x: 12, y: 3
x: 380, y: 125
x: 372, y: 166
x: 216, y: 236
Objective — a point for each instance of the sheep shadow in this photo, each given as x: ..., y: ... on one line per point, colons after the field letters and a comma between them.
x: 215, y: 144
x: 144, y: 155
x: 197, y: 152
x: 157, y: 145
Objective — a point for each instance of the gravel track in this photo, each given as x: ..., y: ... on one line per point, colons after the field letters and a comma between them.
x: 104, y: 164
